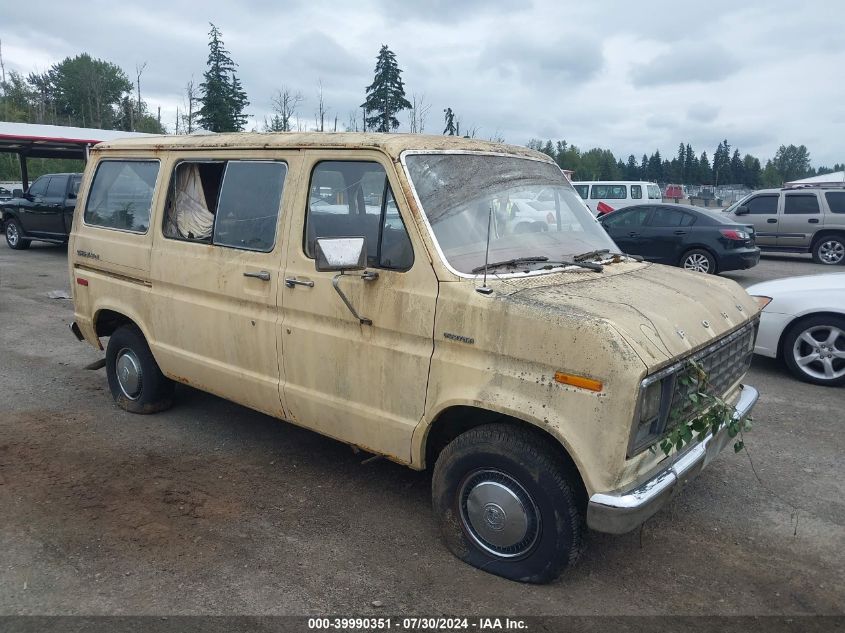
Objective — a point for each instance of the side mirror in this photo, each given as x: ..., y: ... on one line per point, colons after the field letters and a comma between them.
x: 17, y: 193
x: 741, y: 210
x: 340, y: 254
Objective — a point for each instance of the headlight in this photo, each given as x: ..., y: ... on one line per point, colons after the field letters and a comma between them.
x: 652, y: 411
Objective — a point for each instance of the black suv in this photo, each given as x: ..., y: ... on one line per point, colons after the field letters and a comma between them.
x: 44, y: 212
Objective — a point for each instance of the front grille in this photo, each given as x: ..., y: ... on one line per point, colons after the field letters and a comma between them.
x: 724, y: 362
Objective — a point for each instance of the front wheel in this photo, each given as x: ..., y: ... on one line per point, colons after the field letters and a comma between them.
x: 829, y: 250
x: 14, y: 236
x: 698, y: 260
x: 814, y: 350
x: 507, y: 504
x: 135, y: 380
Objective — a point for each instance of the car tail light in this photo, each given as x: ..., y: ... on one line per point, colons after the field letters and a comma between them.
x: 733, y: 234
x: 603, y: 208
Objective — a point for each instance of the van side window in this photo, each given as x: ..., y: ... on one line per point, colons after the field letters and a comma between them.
x: 582, y: 190
x: 636, y: 192
x: 351, y: 199
x: 801, y: 203
x: 249, y: 205
x: 609, y: 192
x: 227, y: 203
x: 121, y: 195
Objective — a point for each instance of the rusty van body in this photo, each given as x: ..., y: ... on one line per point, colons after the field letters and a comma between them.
x: 444, y: 302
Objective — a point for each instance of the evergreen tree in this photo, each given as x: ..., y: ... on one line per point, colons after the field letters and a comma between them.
x: 680, y: 167
x: 690, y: 166
x: 751, y: 171
x: 644, y: 168
x: 705, y: 174
x: 451, y: 130
x: 737, y: 168
x: 222, y: 98
x: 631, y: 169
x: 386, y: 95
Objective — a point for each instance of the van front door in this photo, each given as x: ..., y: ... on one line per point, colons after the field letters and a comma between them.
x: 215, y: 272
x: 361, y: 383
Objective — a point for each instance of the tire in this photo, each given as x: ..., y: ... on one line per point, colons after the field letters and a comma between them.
x: 507, y: 504
x: 821, y: 362
x: 698, y: 260
x: 14, y: 235
x: 829, y: 250
x: 135, y: 380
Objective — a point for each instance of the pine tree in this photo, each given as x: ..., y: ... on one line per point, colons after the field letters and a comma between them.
x: 386, y: 95
x: 222, y: 98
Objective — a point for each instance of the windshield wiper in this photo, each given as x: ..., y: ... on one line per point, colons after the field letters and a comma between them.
x: 589, y: 265
x: 604, y: 251
x: 511, y: 262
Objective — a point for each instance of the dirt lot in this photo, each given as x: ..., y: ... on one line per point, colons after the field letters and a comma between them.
x: 212, y: 508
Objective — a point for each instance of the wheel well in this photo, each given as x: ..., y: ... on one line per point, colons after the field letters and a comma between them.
x: 700, y: 247
x: 798, y: 321
x: 820, y: 235
x: 107, y: 321
x: 459, y: 419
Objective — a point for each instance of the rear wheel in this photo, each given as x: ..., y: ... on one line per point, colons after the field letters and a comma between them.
x: 829, y: 250
x: 135, y: 380
x: 814, y: 350
x: 699, y: 261
x: 507, y: 504
x: 14, y: 235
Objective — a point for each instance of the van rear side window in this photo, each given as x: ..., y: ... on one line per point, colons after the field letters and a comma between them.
x: 121, y: 195
x: 609, y: 192
x: 228, y: 203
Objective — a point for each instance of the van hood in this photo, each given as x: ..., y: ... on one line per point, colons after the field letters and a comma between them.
x: 661, y: 311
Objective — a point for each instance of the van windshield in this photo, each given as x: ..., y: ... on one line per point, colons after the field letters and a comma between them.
x: 529, y: 207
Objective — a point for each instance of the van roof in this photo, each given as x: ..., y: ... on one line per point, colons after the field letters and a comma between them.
x: 391, y: 144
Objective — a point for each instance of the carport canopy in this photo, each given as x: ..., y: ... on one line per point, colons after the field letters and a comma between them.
x: 29, y: 140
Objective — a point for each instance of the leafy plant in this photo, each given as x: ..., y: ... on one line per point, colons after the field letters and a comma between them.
x: 714, y: 413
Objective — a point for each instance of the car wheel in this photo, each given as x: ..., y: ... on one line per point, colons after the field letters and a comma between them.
x: 14, y: 236
x: 699, y: 261
x: 829, y: 250
x: 814, y: 350
x: 135, y: 380
x: 507, y: 504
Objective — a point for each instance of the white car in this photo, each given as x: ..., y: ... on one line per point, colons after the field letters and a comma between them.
x: 803, y: 323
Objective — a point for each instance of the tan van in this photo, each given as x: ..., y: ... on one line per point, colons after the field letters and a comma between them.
x: 378, y: 289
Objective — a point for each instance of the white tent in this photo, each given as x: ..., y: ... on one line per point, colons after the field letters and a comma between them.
x: 837, y: 177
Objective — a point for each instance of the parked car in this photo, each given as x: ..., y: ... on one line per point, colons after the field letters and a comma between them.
x: 44, y: 212
x: 683, y: 235
x: 533, y: 370
x: 799, y: 219
x: 605, y: 196
x: 803, y: 324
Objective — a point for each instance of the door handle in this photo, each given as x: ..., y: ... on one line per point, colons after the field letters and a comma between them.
x: 772, y: 221
x: 291, y: 282
x: 813, y: 220
x: 263, y: 275
x: 632, y: 234
x: 680, y: 232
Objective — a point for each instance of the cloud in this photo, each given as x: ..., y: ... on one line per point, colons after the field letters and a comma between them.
x: 693, y: 63
x: 702, y: 113
x: 564, y: 59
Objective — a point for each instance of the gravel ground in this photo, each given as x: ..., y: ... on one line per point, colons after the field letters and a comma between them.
x: 211, y: 508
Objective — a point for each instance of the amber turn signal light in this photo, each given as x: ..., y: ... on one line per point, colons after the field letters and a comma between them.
x: 578, y: 381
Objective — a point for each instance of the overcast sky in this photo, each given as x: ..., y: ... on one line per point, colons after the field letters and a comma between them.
x: 630, y: 76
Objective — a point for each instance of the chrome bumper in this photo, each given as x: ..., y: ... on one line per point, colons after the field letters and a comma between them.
x: 619, y: 512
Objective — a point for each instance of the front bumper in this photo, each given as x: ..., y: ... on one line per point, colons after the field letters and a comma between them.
x: 619, y: 512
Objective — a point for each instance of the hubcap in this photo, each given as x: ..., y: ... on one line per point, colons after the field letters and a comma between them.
x: 820, y: 352
x: 498, y: 513
x: 128, y: 370
x: 697, y: 262
x: 832, y: 252
x: 12, y: 234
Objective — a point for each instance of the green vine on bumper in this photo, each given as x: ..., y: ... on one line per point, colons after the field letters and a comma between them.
x: 716, y: 414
